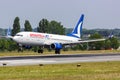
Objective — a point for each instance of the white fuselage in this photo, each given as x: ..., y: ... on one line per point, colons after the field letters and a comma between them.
x: 35, y: 38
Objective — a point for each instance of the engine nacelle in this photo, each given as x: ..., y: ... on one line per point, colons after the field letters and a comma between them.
x: 56, y: 46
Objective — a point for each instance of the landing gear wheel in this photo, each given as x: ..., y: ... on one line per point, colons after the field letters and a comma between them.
x: 57, y: 51
x: 40, y: 51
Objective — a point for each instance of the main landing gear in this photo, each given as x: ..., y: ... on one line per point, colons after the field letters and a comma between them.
x: 57, y: 51
x: 40, y: 50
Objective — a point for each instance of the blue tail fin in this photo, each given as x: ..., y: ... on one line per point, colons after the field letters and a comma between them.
x: 9, y: 32
x: 111, y: 35
x: 77, y: 31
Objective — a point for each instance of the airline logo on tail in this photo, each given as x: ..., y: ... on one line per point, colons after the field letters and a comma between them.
x: 77, y: 31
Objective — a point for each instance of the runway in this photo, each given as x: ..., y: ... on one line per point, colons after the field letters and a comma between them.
x: 57, y: 59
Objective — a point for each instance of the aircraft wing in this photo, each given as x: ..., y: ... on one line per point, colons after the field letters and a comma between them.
x: 84, y: 41
x: 94, y: 40
x: 6, y: 37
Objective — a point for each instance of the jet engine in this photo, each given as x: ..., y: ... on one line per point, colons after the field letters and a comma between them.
x: 57, y: 46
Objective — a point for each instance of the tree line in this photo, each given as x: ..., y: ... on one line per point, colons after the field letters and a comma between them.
x: 55, y: 27
x: 45, y: 26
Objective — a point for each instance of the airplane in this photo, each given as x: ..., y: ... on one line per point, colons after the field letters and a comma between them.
x: 54, y: 41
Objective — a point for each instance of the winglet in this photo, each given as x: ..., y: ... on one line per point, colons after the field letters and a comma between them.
x: 8, y: 32
x: 8, y: 35
x: 111, y: 35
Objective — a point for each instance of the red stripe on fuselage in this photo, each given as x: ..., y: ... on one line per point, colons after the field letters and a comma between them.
x: 37, y: 35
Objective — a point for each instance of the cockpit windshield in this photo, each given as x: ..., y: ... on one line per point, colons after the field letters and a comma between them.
x: 18, y: 35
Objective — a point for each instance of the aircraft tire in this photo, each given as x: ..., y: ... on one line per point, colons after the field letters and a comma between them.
x: 40, y: 51
x: 57, y: 51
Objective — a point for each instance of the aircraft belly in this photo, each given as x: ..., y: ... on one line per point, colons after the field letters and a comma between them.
x: 36, y: 42
x: 49, y: 42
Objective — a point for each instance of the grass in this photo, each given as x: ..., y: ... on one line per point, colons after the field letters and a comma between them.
x: 87, y: 71
x: 15, y: 53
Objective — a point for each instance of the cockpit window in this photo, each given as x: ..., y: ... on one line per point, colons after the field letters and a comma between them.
x: 19, y: 35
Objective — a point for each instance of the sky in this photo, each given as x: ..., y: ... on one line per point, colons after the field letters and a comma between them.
x: 103, y: 14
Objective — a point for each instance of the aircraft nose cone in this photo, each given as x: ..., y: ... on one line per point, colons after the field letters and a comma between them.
x: 15, y: 38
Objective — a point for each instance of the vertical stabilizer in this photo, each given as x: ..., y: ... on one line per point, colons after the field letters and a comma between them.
x: 77, y: 31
